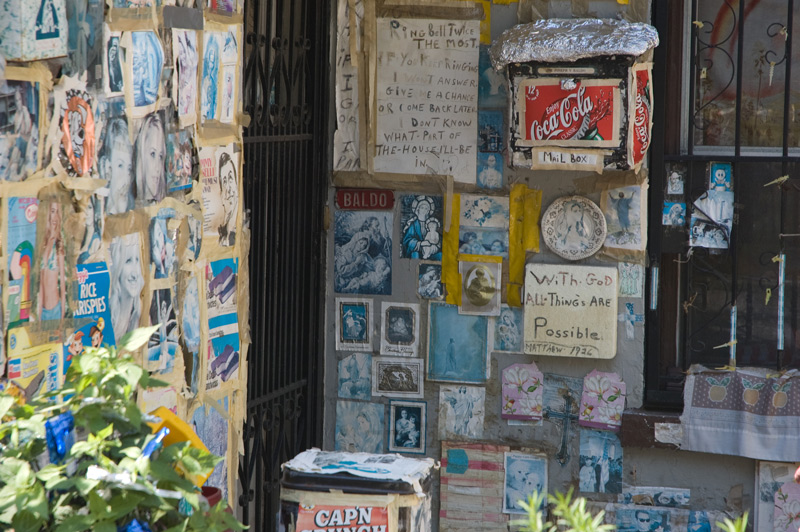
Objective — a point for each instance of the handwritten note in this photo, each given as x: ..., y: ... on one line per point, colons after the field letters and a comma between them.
x: 345, y: 139
x: 571, y: 311
x: 427, y: 94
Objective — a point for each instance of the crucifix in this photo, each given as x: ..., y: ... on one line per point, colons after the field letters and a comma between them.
x: 564, y: 420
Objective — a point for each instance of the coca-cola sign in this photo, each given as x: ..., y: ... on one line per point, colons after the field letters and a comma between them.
x: 642, y: 118
x: 566, y: 112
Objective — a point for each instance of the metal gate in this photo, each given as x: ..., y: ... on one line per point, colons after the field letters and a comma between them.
x: 285, y: 167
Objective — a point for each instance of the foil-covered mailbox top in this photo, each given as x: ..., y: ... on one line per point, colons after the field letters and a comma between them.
x: 559, y: 40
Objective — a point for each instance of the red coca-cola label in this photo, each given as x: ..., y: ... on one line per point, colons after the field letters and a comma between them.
x: 584, y: 113
x: 641, y: 118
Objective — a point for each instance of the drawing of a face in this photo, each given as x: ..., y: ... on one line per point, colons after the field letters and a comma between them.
x: 719, y: 176
x: 228, y: 185
x: 97, y: 338
x: 423, y: 210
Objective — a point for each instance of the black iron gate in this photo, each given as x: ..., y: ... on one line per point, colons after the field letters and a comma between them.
x: 285, y: 93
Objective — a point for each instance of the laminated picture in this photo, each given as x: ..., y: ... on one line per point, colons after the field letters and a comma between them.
x: 184, y: 87
x: 524, y: 475
x: 359, y: 427
x: 484, y: 225
x: 179, y: 160
x: 490, y: 170
x: 397, y: 377
x: 213, y: 42
x: 91, y: 249
x: 127, y: 282
x: 220, y: 171
x: 146, y: 63
x: 77, y: 127
x: 163, y: 343
x: 399, y: 329
x: 421, y: 218
x: 407, y: 426
x: 353, y: 324
x: 115, y: 165
x: 19, y: 130
x: 623, y: 210
x: 149, y: 162
x: 508, y: 330
x: 112, y: 62
x: 190, y: 332
x: 430, y: 281
x: 362, y: 256
x: 162, y: 245
x: 52, y: 275
x: 461, y: 412
x: 457, y: 345
x: 21, y: 253
x: 210, y: 423
x: 355, y: 376
x: 492, y: 90
x: 600, y: 462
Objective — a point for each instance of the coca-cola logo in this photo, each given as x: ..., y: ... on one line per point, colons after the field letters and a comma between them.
x: 564, y: 118
x: 641, y: 119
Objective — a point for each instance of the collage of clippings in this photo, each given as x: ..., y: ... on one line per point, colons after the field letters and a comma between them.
x: 120, y: 183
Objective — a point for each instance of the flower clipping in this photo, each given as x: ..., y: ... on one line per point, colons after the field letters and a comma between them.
x: 602, y: 402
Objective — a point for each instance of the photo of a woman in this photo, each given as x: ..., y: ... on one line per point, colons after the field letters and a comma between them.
x: 116, y: 166
x: 93, y: 234
x: 151, y: 154
x: 127, y: 282
x: 229, y: 193
x: 52, y: 279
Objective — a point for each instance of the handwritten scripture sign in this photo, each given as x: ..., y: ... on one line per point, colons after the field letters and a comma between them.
x: 571, y: 311
x: 427, y: 97
x: 555, y: 112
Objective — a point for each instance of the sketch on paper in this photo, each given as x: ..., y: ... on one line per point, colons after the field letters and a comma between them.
x: 184, y: 43
x: 127, y: 282
x: 397, y: 377
x: 359, y: 427
x: 480, y: 291
x: 362, y: 256
x: 212, y: 47
x: 457, y: 345
x: 399, y: 329
x: 146, y: 64
x: 163, y: 343
x: 19, y: 131
x: 407, y: 426
x: 461, y: 412
x: 600, y: 462
x: 430, y: 281
x: 355, y: 372
x: 523, y: 392
x: 507, y: 330
x: 622, y: 208
x: 631, y: 279
x: 421, y: 222
x: 353, y: 324
x: 524, y: 474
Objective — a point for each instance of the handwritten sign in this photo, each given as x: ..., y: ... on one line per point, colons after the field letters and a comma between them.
x: 427, y: 93
x: 571, y: 311
x: 346, y: 136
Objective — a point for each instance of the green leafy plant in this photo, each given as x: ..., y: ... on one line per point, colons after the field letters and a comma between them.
x: 737, y: 525
x: 108, y: 477
x: 570, y: 515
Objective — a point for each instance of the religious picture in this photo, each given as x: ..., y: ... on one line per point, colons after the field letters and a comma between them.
x: 362, y: 253
x: 430, y: 281
x: 490, y: 170
x: 508, y: 330
x: 675, y: 179
x: 631, y: 279
x: 184, y: 86
x: 115, y: 165
x: 673, y: 214
x: 461, y: 412
x: 407, y: 426
x: 490, y: 132
x: 127, y: 281
x: 146, y: 64
x: 421, y: 227
x: 212, y: 425
x: 480, y: 291
x: 163, y: 343
x: 643, y: 519
x: 560, y: 402
x: 524, y: 475
x: 397, y: 377
x: 492, y: 90
x: 457, y: 345
x: 359, y: 427
x: 150, y: 158
x: 623, y: 209
x: 600, y: 462
x: 484, y: 225
x: 353, y: 324
x: 52, y: 282
x: 112, y: 62
x: 720, y: 177
x: 77, y: 127
x: 355, y: 373
x: 399, y: 329
x: 19, y: 130
x: 209, y: 86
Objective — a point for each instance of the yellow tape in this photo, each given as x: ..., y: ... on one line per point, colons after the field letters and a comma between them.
x: 450, y: 276
x: 533, y: 208
x: 516, y: 249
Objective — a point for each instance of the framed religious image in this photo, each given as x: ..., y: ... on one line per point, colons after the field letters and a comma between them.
x: 407, y: 426
x: 397, y: 377
x: 353, y: 324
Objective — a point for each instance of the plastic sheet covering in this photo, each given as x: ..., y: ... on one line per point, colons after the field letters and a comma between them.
x: 553, y: 40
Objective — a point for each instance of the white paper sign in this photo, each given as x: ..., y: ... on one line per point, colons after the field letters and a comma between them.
x: 571, y: 311
x: 427, y: 97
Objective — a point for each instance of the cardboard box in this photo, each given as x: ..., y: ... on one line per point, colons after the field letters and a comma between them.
x: 33, y: 29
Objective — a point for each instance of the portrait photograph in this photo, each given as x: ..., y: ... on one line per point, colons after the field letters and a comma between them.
x: 359, y: 427
x: 150, y: 159
x: 508, y: 330
x: 430, y: 281
x: 362, y: 252
x: 461, y: 412
x: 407, y: 426
x: 397, y: 377
x: 91, y: 249
x: 184, y: 87
x: 353, y: 324
x: 490, y: 170
x: 600, y: 462
x: 115, y: 165
x: 163, y: 344
x: 112, y: 62
x: 19, y: 130
x: 399, y: 328
x: 209, y: 86
x: 524, y: 474
x: 421, y: 227
x: 51, y: 290
x: 146, y: 63
x: 127, y: 282
x: 643, y: 519
x: 457, y: 345
x: 355, y: 376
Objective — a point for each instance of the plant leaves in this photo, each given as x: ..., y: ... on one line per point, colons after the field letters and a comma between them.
x: 136, y: 338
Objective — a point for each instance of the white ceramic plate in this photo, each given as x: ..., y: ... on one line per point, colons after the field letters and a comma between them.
x: 574, y: 227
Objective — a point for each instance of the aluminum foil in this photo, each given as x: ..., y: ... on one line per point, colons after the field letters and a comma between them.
x: 557, y: 40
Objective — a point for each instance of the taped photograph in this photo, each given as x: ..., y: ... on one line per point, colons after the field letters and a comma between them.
x: 399, y: 329
x: 91, y: 249
x: 430, y: 281
x: 355, y: 376
x: 643, y: 520
x: 146, y: 64
x: 179, y: 160
x: 421, y: 219
x: 397, y: 377
x: 490, y: 170
x: 524, y: 475
x: 162, y: 247
x: 359, y: 427
x: 184, y: 43
x: 600, y: 462
x: 353, y: 324
x: 150, y: 151
x: 461, y: 412
x: 407, y: 426
x: 52, y: 285
x: 112, y: 62
x: 127, y: 281
x: 457, y: 345
x: 362, y: 256
x: 190, y: 328
x: 19, y: 130
x: 115, y: 164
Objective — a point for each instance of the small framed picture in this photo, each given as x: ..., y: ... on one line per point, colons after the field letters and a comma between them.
x: 407, y: 426
x: 399, y: 329
x: 720, y: 177
x: 675, y: 178
x: 353, y: 324
x: 430, y: 280
x: 397, y: 377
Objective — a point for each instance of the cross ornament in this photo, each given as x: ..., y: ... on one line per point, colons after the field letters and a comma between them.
x: 564, y: 421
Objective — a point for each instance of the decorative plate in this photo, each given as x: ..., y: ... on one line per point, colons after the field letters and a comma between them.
x: 574, y: 227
